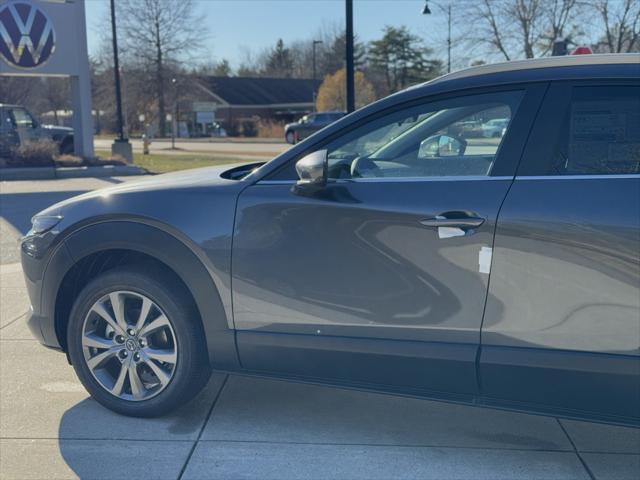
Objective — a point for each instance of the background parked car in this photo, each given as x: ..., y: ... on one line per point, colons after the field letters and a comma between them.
x: 309, y: 124
x: 494, y: 128
x: 18, y: 126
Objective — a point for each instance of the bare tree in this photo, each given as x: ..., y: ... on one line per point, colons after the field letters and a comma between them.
x: 56, y: 95
x: 522, y: 28
x: 620, y: 20
x: 161, y: 34
x: 17, y: 90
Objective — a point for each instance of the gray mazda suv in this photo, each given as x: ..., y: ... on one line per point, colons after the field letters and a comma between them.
x: 386, y: 252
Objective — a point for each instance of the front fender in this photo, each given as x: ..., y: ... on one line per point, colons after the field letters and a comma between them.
x: 134, y: 235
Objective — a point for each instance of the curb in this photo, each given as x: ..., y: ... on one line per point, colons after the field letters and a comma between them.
x: 51, y: 173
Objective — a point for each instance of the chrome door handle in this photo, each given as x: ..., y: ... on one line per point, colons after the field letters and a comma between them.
x: 463, y: 222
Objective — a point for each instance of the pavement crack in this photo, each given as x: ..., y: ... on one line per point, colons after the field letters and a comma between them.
x: 11, y: 322
x: 575, y: 450
x: 204, y: 425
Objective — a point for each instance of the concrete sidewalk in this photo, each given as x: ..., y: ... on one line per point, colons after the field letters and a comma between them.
x: 242, y: 427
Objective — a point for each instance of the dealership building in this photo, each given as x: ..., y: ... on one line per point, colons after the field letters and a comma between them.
x: 233, y: 101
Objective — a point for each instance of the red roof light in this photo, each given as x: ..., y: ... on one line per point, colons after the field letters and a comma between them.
x: 582, y: 50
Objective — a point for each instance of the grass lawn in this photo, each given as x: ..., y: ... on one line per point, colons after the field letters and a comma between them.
x: 167, y: 163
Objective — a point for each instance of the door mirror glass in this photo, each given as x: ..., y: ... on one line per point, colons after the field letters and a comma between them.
x: 312, y: 169
x: 442, y: 146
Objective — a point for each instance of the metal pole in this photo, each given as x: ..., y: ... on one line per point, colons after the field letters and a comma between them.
x: 314, y: 62
x: 175, y: 113
x: 315, y: 73
x: 449, y: 40
x: 351, y: 97
x: 116, y: 71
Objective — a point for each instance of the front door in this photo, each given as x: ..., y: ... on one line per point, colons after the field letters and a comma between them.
x: 380, y: 277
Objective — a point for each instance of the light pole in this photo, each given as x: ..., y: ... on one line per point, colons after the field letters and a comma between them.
x: 174, y: 82
x: 121, y: 145
x: 116, y: 72
x: 351, y: 91
x: 447, y: 10
x: 315, y: 43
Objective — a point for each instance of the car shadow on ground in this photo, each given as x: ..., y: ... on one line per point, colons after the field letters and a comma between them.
x: 254, y: 414
x: 97, y: 443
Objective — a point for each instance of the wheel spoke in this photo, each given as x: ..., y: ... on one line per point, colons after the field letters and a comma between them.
x: 166, y: 356
x: 95, y: 341
x: 156, y: 324
x: 96, y: 361
x: 163, y: 376
x: 117, y: 387
x: 137, y: 387
x: 131, y: 365
x: 144, y: 313
x: 117, y: 303
x: 100, y: 310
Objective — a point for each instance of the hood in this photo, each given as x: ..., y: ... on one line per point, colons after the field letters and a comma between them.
x: 207, y: 177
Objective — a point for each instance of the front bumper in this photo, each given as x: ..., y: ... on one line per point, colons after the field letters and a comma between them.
x: 44, y: 269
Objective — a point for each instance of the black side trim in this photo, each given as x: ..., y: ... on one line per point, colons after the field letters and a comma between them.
x: 399, y: 365
x: 596, y: 384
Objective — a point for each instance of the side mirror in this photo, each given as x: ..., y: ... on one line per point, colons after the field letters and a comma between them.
x: 313, y: 169
x: 442, y: 146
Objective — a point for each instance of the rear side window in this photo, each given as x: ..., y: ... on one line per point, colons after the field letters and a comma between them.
x: 599, y: 133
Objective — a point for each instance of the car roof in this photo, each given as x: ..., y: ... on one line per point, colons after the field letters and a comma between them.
x: 541, y: 63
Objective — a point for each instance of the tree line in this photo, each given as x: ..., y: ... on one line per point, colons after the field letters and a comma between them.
x: 163, y: 52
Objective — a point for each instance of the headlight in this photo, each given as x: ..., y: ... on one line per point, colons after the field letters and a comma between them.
x: 44, y: 223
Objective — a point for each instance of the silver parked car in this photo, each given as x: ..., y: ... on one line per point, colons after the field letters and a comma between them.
x: 387, y: 251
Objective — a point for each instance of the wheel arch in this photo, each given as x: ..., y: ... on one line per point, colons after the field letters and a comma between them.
x: 95, y: 248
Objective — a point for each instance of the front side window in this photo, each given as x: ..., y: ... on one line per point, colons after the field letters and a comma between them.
x: 458, y: 137
x: 600, y: 133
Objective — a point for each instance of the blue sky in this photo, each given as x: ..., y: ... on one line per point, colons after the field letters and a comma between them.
x: 237, y: 26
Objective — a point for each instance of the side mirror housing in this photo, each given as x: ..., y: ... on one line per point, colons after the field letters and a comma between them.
x: 313, y: 169
x: 442, y: 146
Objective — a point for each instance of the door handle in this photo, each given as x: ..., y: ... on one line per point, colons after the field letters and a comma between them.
x: 460, y: 222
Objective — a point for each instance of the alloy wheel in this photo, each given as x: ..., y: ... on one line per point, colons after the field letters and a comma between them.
x: 129, y: 345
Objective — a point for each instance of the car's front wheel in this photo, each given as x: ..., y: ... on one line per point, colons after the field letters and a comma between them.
x: 136, y: 343
x: 290, y: 137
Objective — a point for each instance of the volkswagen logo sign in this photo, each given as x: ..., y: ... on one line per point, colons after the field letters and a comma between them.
x: 27, y: 38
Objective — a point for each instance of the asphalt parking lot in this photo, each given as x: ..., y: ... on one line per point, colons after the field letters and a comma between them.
x: 242, y: 427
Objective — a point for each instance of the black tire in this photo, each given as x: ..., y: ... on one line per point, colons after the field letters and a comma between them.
x: 192, y: 368
x: 66, y: 147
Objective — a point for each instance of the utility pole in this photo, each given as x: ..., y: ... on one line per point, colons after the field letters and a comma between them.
x: 315, y: 43
x: 351, y: 97
x: 121, y: 145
